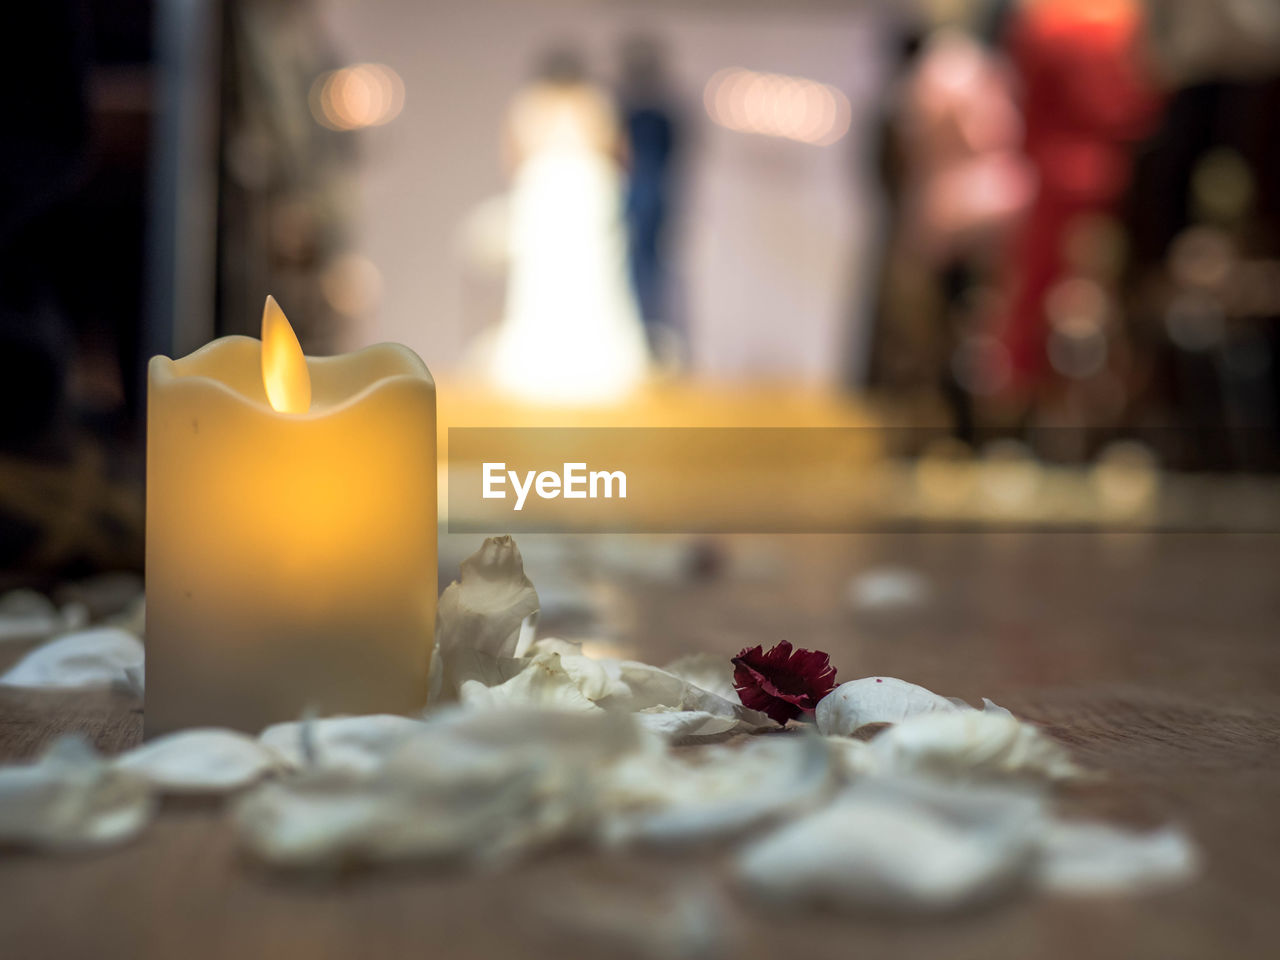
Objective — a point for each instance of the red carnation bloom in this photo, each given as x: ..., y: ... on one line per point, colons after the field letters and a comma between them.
x: 782, y: 683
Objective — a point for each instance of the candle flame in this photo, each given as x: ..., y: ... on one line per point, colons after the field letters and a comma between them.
x: 284, y: 370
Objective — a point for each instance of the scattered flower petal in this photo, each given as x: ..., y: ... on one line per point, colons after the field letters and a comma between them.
x: 874, y: 700
x: 1095, y: 858
x: 995, y: 709
x: 683, y: 726
x: 90, y: 658
x: 595, y: 677
x: 656, y: 797
x: 29, y: 617
x: 466, y: 787
x: 544, y: 682
x: 643, y: 688
x: 969, y: 743
x: 884, y: 849
x: 200, y: 761
x: 550, y: 744
x: 853, y: 758
x: 135, y: 680
x: 132, y: 618
x: 72, y: 798
x: 353, y: 745
x: 560, y: 676
x: 484, y: 618
x: 709, y: 671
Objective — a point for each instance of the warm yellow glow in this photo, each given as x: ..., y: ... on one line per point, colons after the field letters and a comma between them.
x: 284, y: 370
x: 774, y: 105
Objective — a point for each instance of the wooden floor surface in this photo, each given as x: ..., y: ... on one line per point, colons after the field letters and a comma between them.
x: 1156, y: 658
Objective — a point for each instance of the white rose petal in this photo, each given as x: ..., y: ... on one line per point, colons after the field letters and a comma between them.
x: 676, y: 726
x: 874, y: 700
x: 888, y: 846
x: 595, y: 678
x: 655, y: 797
x: 27, y: 616
x: 354, y: 745
x: 201, y: 761
x: 853, y: 758
x: 466, y: 786
x: 544, y: 682
x: 484, y: 618
x: 709, y: 671
x: 648, y: 687
x: 72, y: 798
x: 1098, y: 859
x: 100, y: 657
x: 967, y: 743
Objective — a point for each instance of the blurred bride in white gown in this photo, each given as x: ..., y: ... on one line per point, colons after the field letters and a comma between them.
x: 571, y: 331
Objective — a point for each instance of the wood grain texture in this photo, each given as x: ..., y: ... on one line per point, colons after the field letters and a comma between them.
x: 1156, y: 658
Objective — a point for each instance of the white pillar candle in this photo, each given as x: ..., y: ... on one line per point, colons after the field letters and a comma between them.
x: 291, y: 532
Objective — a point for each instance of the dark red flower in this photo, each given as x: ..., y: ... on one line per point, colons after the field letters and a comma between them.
x: 782, y: 683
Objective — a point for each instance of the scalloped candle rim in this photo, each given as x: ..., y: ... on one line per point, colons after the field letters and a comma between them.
x: 233, y: 366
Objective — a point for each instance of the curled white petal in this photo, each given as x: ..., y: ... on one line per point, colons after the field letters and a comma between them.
x: 27, y: 617
x: 1095, y: 858
x: 643, y: 687
x: 676, y: 726
x: 884, y: 849
x: 560, y: 676
x: 874, y: 700
x: 201, y: 761
x: 853, y: 758
x: 595, y: 678
x: 468, y: 785
x: 354, y: 745
x: 484, y: 617
x: 133, y: 618
x: 968, y: 743
x: 655, y: 797
x: 135, y: 680
x: 709, y: 671
x: 543, y: 682
x: 72, y: 798
x: 995, y: 709
x: 99, y: 657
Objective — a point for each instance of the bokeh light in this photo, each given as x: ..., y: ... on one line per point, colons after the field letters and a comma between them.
x: 1077, y: 310
x: 352, y: 285
x: 1126, y: 478
x: 776, y: 105
x: 357, y: 96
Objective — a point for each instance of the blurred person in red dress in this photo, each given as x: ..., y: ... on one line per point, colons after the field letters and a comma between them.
x: 1088, y: 97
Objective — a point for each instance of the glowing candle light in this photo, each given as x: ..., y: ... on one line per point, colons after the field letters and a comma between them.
x: 284, y: 368
x: 291, y: 532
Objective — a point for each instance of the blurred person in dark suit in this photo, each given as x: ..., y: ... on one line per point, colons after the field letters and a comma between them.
x: 649, y: 115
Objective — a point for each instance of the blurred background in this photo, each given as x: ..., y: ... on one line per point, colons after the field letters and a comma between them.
x: 1034, y: 245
